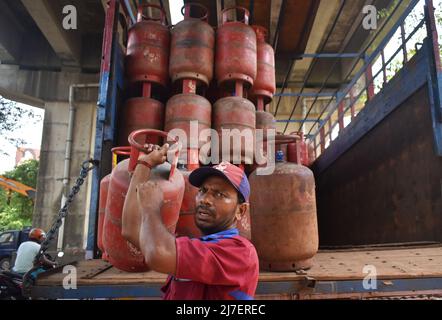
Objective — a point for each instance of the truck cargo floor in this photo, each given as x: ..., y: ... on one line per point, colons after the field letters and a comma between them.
x: 336, y: 274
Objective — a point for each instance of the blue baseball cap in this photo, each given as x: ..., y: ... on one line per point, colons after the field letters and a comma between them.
x: 235, y: 175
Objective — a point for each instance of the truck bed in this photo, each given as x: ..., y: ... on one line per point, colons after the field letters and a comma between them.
x: 402, y: 271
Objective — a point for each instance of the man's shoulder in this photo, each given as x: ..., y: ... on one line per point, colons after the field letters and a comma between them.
x: 238, y: 242
x: 30, y: 244
x: 247, y: 244
x: 243, y: 241
x: 241, y: 250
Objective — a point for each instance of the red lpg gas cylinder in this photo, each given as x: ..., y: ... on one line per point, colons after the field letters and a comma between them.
x: 236, y: 116
x: 235, y: 49
x: 292, y: 155
x: 282, y: 146
x: 264, y: 85
x: 122, y: 254
x: 192, y: 46
x: 104, y: 188
x: 148, y: 44
x: 311, y: 154
x: 186, y: 109
x: 264, y: 121
x: 283, y: 211
x: 138, y: 113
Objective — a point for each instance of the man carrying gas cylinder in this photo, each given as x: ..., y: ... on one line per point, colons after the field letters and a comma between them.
x: 219, y: 265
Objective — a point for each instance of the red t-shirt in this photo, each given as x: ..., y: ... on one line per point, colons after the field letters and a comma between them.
x: 222, y: 266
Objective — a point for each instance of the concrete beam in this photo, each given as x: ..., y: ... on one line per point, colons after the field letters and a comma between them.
x: 326, y: 12
x: 41, y: 85
x: 11, y: 35
x: 48, y: 15
x: 37, y: 54
x: 22, y: 98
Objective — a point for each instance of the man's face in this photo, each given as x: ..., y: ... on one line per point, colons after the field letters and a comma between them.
x: 217, y: 206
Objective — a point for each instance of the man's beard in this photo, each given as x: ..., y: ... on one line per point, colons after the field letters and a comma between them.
x: 206, y: 230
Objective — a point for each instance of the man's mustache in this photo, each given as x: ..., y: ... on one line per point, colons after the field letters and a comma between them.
x: 205, y: 208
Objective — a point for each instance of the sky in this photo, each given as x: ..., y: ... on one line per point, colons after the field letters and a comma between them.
x: 175, y: 10
x: 31, y: 132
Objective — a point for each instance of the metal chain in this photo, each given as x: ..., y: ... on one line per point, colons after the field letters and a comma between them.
x: 28, y: 277
x: 87, y: 166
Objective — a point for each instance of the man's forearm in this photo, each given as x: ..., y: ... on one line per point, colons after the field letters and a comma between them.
x: 157, y: 243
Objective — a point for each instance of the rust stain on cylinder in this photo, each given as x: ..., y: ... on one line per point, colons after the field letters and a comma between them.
x: 147, y: 57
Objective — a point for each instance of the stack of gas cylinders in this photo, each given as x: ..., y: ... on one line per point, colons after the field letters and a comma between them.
x: 191, y: 71
x: 236, y: 71
x: 147, y: 59
x: 223, y: 79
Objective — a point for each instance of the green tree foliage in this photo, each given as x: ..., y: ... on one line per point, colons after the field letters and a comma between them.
x: 16, y: 212
x: 410, y: 23
x: 10, y: 116
x: 438, y: 14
